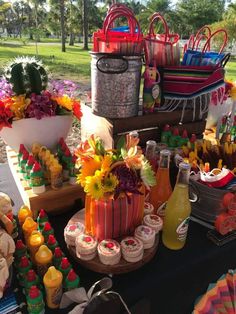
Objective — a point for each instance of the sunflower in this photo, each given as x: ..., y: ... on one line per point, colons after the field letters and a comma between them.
x: 88, y: 168
x: 110, y: 183
x: 93, y: 187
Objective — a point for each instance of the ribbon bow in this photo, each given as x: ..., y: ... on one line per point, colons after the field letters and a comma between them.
x: 80, y: 296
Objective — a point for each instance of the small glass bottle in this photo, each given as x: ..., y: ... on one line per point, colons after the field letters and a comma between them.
x: 177, y: 211
x: 161, y: 192
x: 151, y: 153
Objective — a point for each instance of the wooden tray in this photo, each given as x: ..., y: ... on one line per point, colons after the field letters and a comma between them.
x: 52, y: 201
x: 120, y: 268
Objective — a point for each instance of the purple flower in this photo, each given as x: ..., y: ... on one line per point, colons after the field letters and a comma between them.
x: 129, y: 181
x: 41, y: 106
x: 5, y: 89
x: 66, y: 87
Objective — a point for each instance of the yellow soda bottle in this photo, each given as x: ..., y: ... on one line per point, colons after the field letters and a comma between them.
x: 177, y: 211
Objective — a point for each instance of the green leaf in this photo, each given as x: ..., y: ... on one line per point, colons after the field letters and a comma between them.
x: 123, y: 152
x: 120, y: 143
x: 100, y: 150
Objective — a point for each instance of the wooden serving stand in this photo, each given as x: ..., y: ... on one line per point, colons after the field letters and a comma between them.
x: 149, y: 126
x: 52, y: 201
x: 120, y: 268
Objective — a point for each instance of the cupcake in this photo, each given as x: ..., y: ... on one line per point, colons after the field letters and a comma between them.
x: 132, y: 249
x: 109, y: 252
x: 71, y: 231
x: 146, y: 235
x: 153, y: 221
x: 148, y: 208
x: 86, y: 247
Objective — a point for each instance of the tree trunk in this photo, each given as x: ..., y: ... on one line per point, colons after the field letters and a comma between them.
x: 72, y: 39
x: 63, y: 39
x: 85, y: 24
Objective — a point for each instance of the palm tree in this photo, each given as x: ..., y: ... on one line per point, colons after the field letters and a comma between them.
x: 85, y: 24
x: 62, y: 13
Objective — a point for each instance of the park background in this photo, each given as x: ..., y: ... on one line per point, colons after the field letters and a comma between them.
x: 60, y: 31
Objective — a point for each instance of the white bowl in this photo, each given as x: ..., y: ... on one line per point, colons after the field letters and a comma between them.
x: 46, y: 131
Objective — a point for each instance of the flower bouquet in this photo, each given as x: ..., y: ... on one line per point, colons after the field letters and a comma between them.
x: 114, y: 182
x: 33, y: 109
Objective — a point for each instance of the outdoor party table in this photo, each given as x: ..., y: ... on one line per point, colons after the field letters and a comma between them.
x: 171, y: 282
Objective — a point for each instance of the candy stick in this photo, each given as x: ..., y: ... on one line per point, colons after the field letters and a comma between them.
x: 219, y: 165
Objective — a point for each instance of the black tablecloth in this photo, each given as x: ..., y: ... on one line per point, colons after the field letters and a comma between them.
x: 171, y: 281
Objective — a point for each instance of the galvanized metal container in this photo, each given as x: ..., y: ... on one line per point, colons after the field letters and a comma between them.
x: 209, y: 201
x: 115, y: 85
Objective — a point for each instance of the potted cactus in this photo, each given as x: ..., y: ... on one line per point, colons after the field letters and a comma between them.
x: 32, y: 108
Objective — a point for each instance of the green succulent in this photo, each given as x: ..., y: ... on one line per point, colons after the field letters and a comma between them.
x: 27, y: 75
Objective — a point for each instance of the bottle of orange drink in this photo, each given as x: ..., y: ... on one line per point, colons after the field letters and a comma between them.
x: 161, y: 192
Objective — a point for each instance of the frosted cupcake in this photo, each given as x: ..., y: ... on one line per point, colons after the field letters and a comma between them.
x: 72, y: 231
x: 132, y: 249
x: 153, y: 221
x: 109, y: 252
x: 148, y: 208
x: 146, y: 235
x: 86, y: 247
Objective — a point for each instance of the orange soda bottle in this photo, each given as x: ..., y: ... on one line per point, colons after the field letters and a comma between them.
x: 161, y: 192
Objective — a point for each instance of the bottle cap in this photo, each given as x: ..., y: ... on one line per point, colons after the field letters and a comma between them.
x: 31, y: 160
x: 166, y: 128
x: 24, y: 262
x: 193, y: 138
x: 184, y: 165
x: 34, y: 292
x: 165, y: 152
x: 67, y: 152
x: 47, y: 227
x: 58, y: 252
x: 151, y: 143
x: 20, y: 245
x: 61, y: 141
x: 51, y: 239
x: 134, y: 134
x: 22, y: 148
x: 185, y: 134
x: 31, y: 276
x: 72, y: 275
x: 25, y: 155
x: 42, y: 214
x: 29, y: 223
x: 65, y: 263
x: 63, y: 146
x: 36, y: 167
x: 176, y: 132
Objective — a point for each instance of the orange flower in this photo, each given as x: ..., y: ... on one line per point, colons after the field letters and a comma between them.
x: 18, y: 106
x: 64, y: 101
x: 134, y: 158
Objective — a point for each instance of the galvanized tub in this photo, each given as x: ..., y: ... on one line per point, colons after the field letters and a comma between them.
x: 115, y: 85
x: 209, y: 201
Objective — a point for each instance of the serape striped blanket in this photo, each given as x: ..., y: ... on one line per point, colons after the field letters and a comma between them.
x: 8, y: 305
x: 188, y: 86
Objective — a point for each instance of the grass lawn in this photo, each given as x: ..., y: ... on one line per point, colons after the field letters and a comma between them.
x: 74, y: 64
x: 231, y: 69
